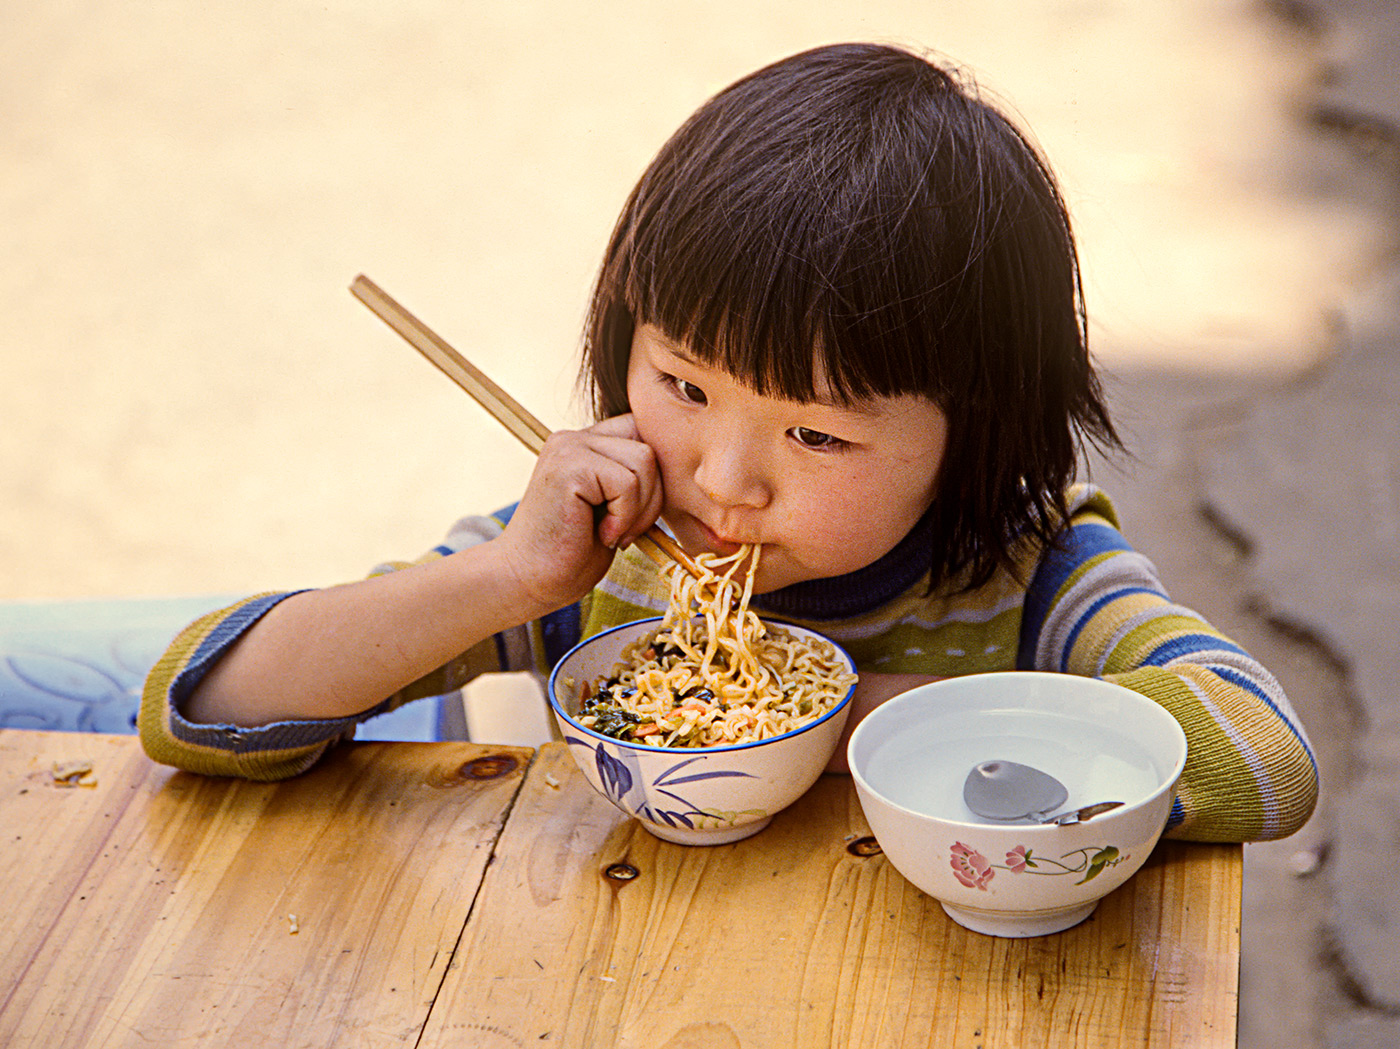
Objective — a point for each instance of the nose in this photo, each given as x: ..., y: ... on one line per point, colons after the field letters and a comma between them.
x: 732, y: 472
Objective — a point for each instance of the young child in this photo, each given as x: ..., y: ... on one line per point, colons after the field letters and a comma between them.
x: 839, y: 316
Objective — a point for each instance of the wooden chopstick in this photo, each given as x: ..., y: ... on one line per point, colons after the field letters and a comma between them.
x: 655, y: 543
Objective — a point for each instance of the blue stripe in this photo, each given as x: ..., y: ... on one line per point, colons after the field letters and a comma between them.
x: 562, y: 630
x: 1177, y: 815
x: 1244, y: 681
x: 1187, y: 645
x: 277, y: 736
x: 1076, y: 545
x: 225, y: 633
x: 501, y: 653
x: 1089, y: 614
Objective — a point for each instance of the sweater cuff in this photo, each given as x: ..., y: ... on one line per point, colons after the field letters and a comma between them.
x: 268, y: 752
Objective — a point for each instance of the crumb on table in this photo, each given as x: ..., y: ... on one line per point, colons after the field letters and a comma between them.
x: 74, y: 774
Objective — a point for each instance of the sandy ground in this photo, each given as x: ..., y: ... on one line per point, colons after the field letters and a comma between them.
x: 193, y: 402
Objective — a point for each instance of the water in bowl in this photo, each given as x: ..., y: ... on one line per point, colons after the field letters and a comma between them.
x: 923, y: 768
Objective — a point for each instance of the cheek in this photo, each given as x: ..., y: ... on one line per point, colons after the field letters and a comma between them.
x: 659, y: 427
x: 864, y: 510
x: 641, y: 401
x: 833, y: 513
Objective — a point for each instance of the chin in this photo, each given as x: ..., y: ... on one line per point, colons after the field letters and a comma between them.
x: 768, y: 582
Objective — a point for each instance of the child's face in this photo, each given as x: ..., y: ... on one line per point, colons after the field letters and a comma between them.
x: 826, y: 489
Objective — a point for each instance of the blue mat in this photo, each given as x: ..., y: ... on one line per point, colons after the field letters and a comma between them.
x: 78, y: 666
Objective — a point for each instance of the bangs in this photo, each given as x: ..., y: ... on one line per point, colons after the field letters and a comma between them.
x: 783, y: 301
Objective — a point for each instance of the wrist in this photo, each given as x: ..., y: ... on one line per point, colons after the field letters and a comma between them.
x: 533, y: 583
x: 490, y: 590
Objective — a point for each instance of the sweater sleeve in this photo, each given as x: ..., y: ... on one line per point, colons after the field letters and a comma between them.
x: 1096, y: 607
x: 288, y: 748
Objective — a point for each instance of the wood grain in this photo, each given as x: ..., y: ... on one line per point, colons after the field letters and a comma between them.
x: 156, y: 908
x: 790, y: 939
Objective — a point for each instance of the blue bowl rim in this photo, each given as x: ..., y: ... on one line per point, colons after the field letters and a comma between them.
x: 719, y: 749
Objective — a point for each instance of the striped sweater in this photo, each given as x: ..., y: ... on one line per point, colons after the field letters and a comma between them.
x: 1091, y: 606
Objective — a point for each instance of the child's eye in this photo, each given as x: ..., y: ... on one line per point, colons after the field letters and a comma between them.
x: 810, y: 438
x: 688, y: 390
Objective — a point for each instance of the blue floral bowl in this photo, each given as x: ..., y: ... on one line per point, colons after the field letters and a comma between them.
x: 690, y: 795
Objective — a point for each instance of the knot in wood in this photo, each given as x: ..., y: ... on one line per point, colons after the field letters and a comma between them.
x: 866, y: 846
x: 620, y: 872
x: 489, y: 767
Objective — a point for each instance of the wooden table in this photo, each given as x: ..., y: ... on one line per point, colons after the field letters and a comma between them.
x: 449, y: 894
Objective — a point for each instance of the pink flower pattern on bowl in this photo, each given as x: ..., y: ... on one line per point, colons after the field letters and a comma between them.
x: 970, y: 867
x: 1018, y: 859
x: 974, y: 870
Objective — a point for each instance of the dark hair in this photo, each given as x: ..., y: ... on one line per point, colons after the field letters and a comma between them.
x: 859, y: 205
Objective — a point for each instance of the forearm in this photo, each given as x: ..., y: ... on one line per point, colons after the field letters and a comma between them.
x: 1250, y: 773
x: 336, y: 652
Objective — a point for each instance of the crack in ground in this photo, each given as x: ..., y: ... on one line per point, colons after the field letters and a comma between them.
x: 1331, y: 960
x: 1374, y: 138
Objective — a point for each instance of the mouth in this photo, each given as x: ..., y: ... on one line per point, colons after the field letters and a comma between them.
x: 706, y: 536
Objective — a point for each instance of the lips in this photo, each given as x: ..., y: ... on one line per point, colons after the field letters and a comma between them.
x: 706, y: 536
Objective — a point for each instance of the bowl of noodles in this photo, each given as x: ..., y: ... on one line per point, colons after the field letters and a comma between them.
x: 707, y: 721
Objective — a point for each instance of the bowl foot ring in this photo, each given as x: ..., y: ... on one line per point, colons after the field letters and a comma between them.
x: 1019, y: 925
x: 716, y: 836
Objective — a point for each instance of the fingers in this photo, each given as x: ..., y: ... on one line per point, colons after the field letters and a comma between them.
x: 634, y: 500
x: 617, y: 426
x: 600, y: 485
x: 591, y: 492
x: 605, y: 467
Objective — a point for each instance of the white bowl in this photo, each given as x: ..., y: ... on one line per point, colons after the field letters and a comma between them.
x: 910, y: 756
x: 690, y: 795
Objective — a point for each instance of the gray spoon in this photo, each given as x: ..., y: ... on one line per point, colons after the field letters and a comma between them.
x: 1008, y: 790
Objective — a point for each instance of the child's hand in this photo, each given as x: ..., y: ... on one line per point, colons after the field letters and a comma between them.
x: 592, y: 492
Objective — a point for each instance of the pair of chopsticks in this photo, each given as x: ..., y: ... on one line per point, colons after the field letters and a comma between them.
x: 655, y: 543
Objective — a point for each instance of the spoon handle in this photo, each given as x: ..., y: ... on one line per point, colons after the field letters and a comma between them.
x: 1088, y: 812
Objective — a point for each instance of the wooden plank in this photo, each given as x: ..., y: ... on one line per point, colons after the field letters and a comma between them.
x: 792, y: 939
x: 155, y: 908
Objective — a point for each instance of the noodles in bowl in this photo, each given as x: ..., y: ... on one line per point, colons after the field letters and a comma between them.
x: 716, y: 677
x: 704, y: 769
